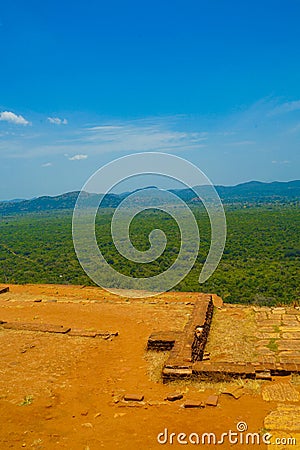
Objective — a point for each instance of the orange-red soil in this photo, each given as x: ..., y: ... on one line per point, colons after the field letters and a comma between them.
x: 72, y: 386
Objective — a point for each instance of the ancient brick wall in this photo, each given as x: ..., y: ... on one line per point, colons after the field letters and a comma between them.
x: 189, y: 347
x: 201, y: 330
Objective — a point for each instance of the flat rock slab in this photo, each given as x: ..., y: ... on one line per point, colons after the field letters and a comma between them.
x: 280, y: 392
x: 164, y: 336
x: 289, y: 324
x: 288, y: 344
x: 235, y: 392
x: 174, y: 397
x: 270, y: 322
x: 193, y: 404
x: 290, y: 328
x: 285, y: 418
x: 93, y: 334
x: 269, y: 329
x: 279, y: 310
x: 133, y: 397
x: 292, y: 335
x: 271, y: 335
x: 289, y: 359
x: 289, y: 319
x: 265, y: 375
x: 212, y: 400
x: 261, y: 315
x: 290, y: 353
x: 82, y: 333
x: 177, y: 372
x: 264, y: 351
x: 46, y: 328
x: 262, y: 342
x: 266, y: 359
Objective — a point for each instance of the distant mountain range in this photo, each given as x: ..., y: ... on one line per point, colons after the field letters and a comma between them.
x: 253, y: 192
x: 14, y: 200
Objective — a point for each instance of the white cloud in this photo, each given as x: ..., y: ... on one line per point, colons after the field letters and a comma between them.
x: 57, y: 121
x: 78, y: 157
x: 151, y: 134
x: 48, y: 164
x: 9, y: 116
x: 141, y: 135
x: 105, y: 128
x: 240, y: 143
x: 286, y: 107
x: 251, y: 129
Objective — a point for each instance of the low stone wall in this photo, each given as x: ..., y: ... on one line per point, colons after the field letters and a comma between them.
x: 225, y: 371
x: 186, y: 358
x: 189, y: 347
x: 202, y: 330
x: 214, y: 371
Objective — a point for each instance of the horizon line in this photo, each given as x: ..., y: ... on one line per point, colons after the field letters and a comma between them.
x: 17, y: 199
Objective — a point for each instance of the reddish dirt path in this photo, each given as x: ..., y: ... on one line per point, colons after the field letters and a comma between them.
x: 72, y: 384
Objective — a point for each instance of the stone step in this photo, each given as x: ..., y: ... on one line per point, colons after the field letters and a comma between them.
x: 266, y: 375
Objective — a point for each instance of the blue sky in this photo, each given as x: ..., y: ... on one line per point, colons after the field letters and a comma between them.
x: 81, y: 83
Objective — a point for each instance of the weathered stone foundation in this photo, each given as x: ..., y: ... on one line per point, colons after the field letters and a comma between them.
x: 187, y: 358
x: 190, y: 345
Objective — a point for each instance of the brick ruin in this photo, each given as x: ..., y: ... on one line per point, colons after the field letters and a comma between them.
x: 190, y: 344
x: 187, y: 357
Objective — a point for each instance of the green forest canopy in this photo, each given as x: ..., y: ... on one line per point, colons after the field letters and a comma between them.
x: 260, y: 263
